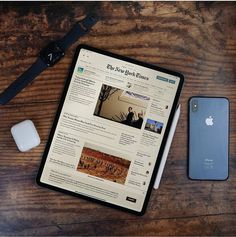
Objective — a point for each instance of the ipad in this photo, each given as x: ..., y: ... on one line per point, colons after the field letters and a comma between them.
x: 110, y: 129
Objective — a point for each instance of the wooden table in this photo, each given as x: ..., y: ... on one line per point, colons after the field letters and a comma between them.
x: 197, y: 39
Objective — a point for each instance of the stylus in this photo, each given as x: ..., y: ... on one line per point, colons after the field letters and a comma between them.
x: 167, y: 148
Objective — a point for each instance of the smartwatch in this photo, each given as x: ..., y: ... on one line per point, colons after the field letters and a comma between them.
x: 48, y: 57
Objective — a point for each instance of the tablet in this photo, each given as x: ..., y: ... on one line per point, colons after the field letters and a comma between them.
x: 110, y: 129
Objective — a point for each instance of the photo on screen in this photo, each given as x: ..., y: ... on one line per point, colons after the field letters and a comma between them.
x: 153, y: 126
x: 121, y: 106
x: 94, y: 161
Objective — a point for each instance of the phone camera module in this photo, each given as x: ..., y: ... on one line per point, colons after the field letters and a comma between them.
x: 194, y: 105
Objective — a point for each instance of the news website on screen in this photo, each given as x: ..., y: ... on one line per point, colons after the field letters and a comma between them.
x: 110, y: 130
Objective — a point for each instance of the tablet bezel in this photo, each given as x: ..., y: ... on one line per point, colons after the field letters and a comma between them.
x: 67, y: 83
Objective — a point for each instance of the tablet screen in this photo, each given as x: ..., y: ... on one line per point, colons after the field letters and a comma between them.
x: 109, y: 129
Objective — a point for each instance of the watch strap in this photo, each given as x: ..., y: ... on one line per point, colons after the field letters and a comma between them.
x: 80, y: 29
x: 21, y: 82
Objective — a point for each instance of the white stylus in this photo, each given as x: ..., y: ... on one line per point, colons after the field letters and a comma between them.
x: 167, y: 148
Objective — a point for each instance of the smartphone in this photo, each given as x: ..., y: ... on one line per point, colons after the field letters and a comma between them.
x: 208, y: 138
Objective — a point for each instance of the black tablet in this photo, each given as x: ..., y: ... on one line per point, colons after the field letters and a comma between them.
x: 110, y: 129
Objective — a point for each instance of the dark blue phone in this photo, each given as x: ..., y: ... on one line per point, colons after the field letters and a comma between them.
x: 208, y: 138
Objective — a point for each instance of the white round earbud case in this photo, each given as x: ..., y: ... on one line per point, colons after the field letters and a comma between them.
x: 25, y: 135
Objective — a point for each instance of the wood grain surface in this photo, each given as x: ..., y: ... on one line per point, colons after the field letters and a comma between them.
x: 196, y: 39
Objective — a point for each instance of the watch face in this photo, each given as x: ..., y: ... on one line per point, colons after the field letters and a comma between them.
x: 51, y: 54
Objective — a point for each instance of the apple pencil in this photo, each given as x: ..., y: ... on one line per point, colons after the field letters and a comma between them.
x: 167, y: 148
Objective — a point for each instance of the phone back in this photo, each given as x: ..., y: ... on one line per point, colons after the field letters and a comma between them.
x: 208, y: 138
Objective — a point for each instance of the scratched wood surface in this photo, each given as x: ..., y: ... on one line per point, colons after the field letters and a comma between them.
x: 197, y: 39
